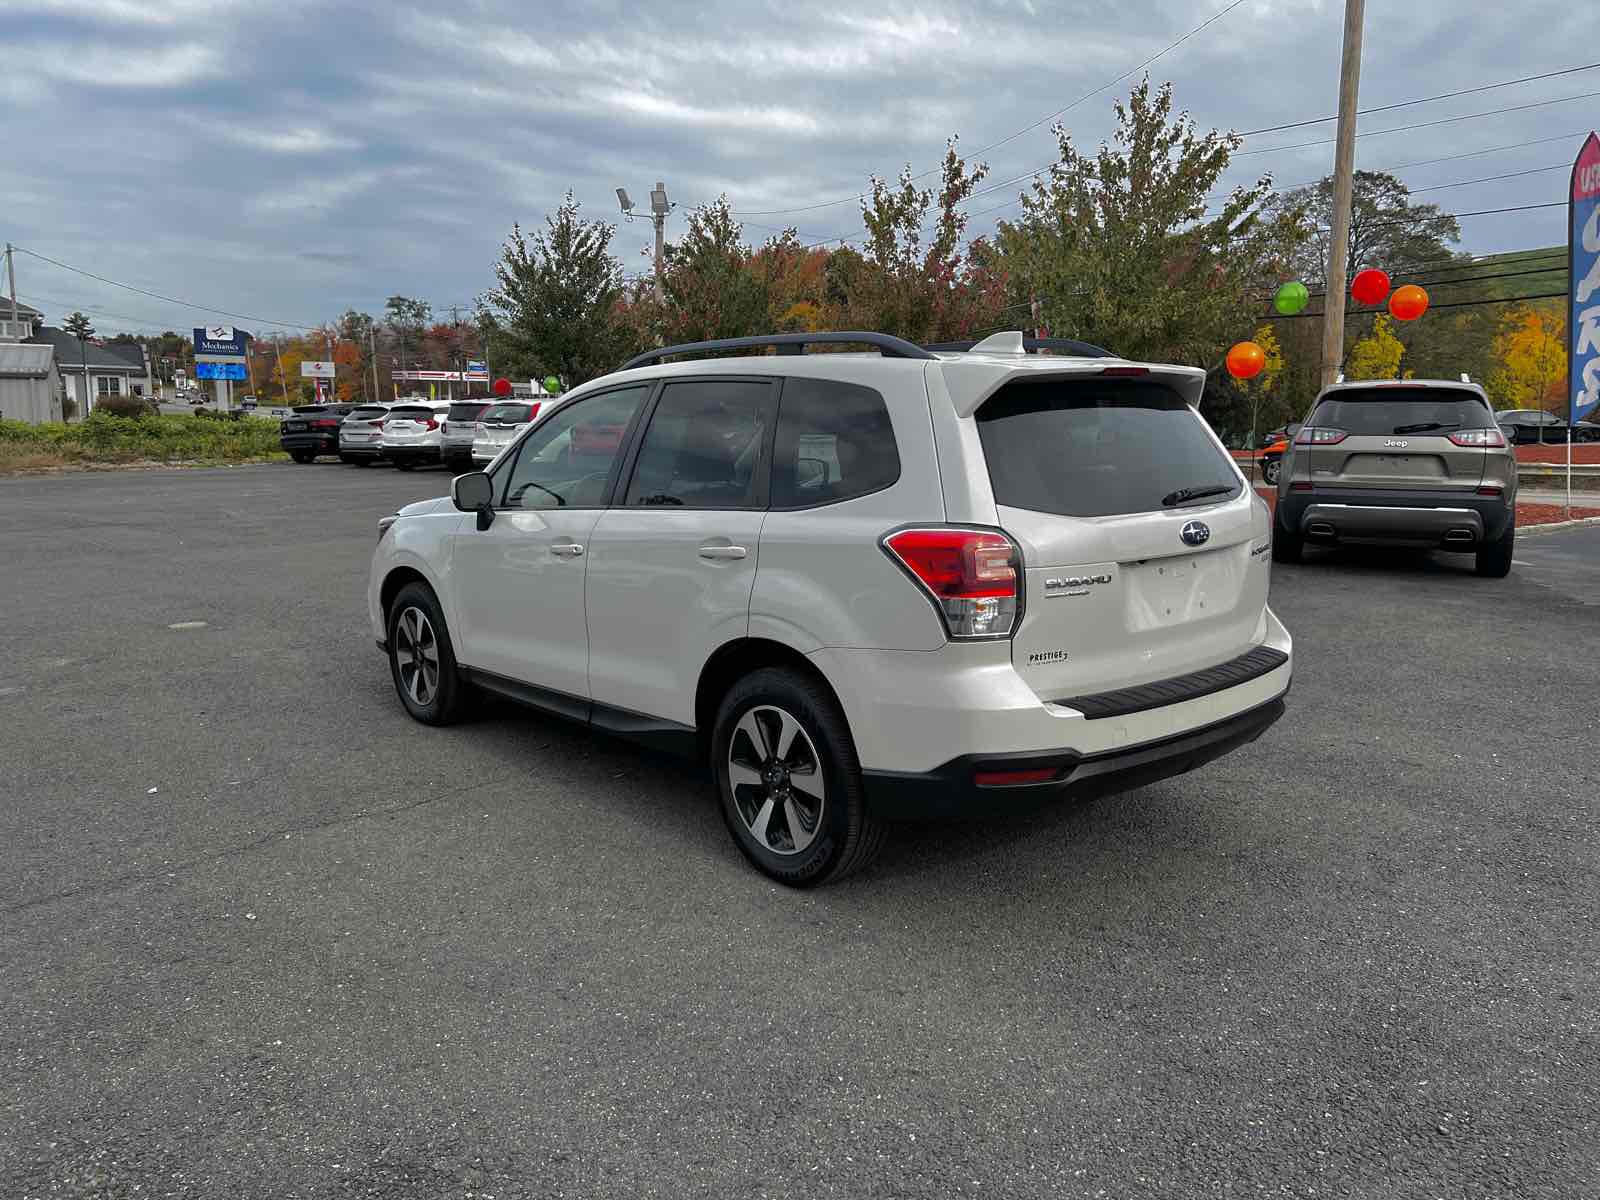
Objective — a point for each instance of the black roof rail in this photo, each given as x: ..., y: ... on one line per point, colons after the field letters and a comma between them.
x: 1033, y: 346
x: 786, y: 343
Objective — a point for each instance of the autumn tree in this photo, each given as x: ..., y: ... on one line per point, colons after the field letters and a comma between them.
x: 1532, y: 350
x: 933, y: 288
x: 1120, y: 249
x: 709, y: 286
x: 1376, y: 356
x: 556, y: 303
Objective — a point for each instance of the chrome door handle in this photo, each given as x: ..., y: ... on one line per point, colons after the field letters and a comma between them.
x: 723, y: 552
x: 567, y: 550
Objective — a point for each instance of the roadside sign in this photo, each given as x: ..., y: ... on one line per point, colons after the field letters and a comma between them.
x: 476, y: 365
x: 219, y: 370
x: 222, y: 341
x: 316, y: 370
x: 1583, y: 250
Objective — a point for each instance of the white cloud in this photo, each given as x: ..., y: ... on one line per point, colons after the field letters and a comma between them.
x: 125, y: 12
x: 101, y: 65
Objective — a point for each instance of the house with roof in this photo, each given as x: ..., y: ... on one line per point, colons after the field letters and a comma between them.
x: 91, y: 371
x: 18, y: 327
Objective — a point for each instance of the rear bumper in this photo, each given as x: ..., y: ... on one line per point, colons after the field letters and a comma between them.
x: 360, y: 450
x: 322, y: 443
x: 1452, y: 520
x: 951, y: 791
x: 403, y: 453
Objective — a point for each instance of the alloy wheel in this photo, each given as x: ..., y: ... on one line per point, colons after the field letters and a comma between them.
x: 416, y: 652
x: 776, y: 777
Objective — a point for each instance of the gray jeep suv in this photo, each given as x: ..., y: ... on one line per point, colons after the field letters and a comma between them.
x: 1417, y: 462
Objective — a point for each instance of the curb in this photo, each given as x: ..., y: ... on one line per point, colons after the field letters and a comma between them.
x: 1549, y: 526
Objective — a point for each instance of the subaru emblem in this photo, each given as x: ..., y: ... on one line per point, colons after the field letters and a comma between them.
x: 1195, y: 533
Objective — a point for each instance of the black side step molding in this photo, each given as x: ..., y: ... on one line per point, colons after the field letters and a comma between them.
x: 652, y: 732
x: 1119, y: 703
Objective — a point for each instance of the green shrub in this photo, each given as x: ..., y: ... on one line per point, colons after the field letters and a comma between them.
x: 122, y: 406
x: 107, y: 437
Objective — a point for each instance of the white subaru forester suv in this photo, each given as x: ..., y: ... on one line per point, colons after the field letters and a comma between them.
x: 863, y: 587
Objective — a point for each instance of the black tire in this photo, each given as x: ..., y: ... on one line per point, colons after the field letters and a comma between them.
x: 844, y: 836
x: 301, y: 456
x: 1494, y: 558
x: 1286, y: 547
x: 1270, y: 471
x: 404, y: 464
x: 436, y: 699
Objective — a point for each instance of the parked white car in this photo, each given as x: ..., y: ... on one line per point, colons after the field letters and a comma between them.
x: 860, y: 588
x: 412, y: 432
x: 498, y: 426
x: 361, y: 434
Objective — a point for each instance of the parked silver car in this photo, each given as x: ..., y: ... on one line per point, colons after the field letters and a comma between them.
x: 361, y: 434
x: 499, y: 426
x: 458, y: 431
x: 411, y: 433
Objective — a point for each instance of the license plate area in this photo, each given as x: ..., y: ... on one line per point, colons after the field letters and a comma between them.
x: 296, y: 427
x: 1173, y: 591
x: 1395, y: 466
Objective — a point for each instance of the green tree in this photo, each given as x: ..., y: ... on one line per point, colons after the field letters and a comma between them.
x: 406, y: 319
x: 79, y: 326
x: 1119, y: 247
x: 556, y: 304
x: 710, y: 287
x: 1387, y: 229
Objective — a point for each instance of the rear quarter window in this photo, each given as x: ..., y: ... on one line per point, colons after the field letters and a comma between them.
x: 1388, y: 411
x: 834, y: 442
x: 1097, y: 447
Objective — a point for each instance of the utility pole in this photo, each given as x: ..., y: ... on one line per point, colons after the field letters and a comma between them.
x: 282, y: 378
x: 1344, y: 163
x: 11, y: 276
x: 659, y: 208
x: 372, y: 343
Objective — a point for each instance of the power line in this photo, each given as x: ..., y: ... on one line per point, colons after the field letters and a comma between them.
x: 1363, y: 112
x: 158, y: 296
x: 1431, y: 307
x: 770, y: 212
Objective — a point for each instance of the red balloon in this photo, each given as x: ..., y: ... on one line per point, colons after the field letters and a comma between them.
x: 1246, y: 360
x: 1370, y: 286
x: 1408, y: 303
x: 502, y: 387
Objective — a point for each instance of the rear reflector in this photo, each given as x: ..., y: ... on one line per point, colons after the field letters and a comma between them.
x: 1490, y: 489
x: 1014, y: 778
x: 1300, y: 486
x: 970, y: 574
x: 1124, y: 371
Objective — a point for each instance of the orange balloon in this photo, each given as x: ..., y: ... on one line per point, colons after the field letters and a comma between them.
x: 1408, y: 303
x: 1246, y: 360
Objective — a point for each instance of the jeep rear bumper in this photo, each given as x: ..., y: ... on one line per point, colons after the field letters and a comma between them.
x: 952, y: 791
x: 1451, y: 520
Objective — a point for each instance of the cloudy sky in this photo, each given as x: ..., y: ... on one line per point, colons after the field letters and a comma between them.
x: 288, y: 160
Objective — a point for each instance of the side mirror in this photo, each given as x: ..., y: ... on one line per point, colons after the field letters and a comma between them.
x: 474, y: 493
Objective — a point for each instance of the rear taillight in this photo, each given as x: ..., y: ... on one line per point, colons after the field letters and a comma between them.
x: 533, y: 410
x: 970, y: 574
x: 324, y: 424
x: 1478, y: 437
x: 1312, y: 436
x: 1490, y: 489
x: 1124, y: 372
x: 1300, y: 485
x: 432, y: 424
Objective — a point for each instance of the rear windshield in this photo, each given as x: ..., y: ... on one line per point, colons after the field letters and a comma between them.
x: 465, y: 412
x: 508, y: 414
x: 412, y: 412
x: 368, y: 411
x: 305, y: 409
x: 1093, y: 448
x: 1390, y: 410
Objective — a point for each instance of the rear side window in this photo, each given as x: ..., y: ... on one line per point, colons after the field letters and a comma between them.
x: 1391, y: 410
x: 704, y: 446
x: 509, y: 414
x: 1098, y: 447
x: 834, y: 443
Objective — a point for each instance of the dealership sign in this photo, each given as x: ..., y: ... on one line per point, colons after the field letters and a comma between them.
x: 441, y: 376
x: 316, y: 370
x: 1583, y: 251
x: 220, y: 342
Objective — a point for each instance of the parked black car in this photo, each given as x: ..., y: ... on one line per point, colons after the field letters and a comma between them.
x: 312, y: 430
x: 1531, y: 426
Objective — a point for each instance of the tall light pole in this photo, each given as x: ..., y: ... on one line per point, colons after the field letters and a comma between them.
x: 1344, y: 162
x: 660, y: 206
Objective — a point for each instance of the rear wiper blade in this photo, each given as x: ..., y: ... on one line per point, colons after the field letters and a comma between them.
x: 1195, y: 493
x: 1427, y: 426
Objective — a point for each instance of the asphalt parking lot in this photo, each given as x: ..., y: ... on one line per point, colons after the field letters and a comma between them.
x: 261, y: 935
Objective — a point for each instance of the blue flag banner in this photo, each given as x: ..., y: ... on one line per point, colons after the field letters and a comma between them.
x: 1583, y: 251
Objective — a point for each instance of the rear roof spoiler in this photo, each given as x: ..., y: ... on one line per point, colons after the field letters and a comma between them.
x: 1029, y: 346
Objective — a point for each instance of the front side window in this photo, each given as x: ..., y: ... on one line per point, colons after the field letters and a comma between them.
x: 834, y: 443
x: 567, y: 461
x: 704, y: 446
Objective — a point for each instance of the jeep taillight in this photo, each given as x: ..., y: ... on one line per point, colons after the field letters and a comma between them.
x: 1477, y: 437
x: 1310, y: 435
x: 971, y: 575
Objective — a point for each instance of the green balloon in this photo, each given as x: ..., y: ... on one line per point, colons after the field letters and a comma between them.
x: 1291, y: 298
x: 552, y: 384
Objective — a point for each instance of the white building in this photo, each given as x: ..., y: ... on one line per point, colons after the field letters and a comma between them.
x: 30, y: 388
